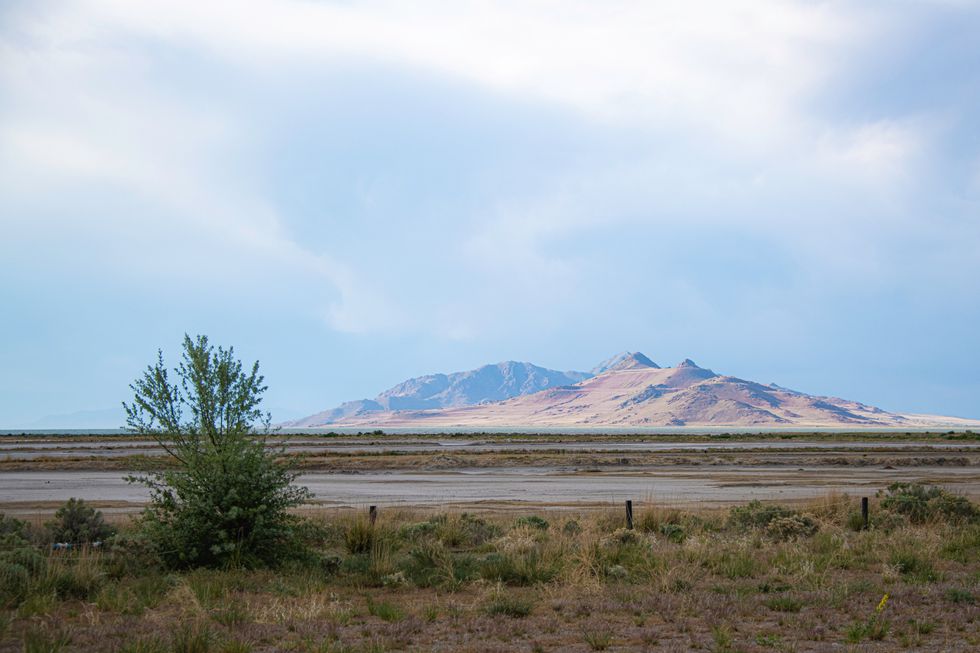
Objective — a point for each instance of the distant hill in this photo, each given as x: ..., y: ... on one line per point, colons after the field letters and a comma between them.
x: 626, y: 390
x: 489, y: 383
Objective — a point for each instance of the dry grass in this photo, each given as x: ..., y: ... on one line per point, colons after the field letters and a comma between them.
x: 682, y: 580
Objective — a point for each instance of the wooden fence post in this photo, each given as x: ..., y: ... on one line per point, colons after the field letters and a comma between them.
x: 864, y: 513
x: 629, y: 514
x: 373, y: 514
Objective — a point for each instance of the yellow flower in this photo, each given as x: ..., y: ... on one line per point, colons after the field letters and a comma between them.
x: 881, y: 604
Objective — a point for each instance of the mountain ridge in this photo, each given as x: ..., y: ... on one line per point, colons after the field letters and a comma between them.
x: 628, y: 389
x: 487, y: 383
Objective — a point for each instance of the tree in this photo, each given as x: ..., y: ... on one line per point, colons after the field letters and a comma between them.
x: 225, y: 498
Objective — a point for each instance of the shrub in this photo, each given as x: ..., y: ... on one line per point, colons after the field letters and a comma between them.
x: 912, y: 566
x: 78, y: 523
x: 756, y: 514
x: 226, y: 500
x: 385, y: 611
x: 791, y: 528
x: 598, y: 640
x: 735, y: 564
x: 130, y: 554
x: 957, y: 595
x: 923, y: 503
x: 533, y: 521
x: 19, y: 561
x: 72, y: 578
x: 673, y: 532
x: 417, y: 531
x: 430, y: 564
x: 510, y: 605
x: 464, y: 530
x: 623, y: 536
x: 12, y: 528
x: 14, y: 582
x: 784, y: 604
x: 519, y: 568
x: 359, y: 536
x: 133, y: 595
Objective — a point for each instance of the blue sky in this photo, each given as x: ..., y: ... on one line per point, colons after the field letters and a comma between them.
x: 359, y: 192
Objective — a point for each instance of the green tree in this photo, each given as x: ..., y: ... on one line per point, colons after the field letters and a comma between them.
x: 225, y: 499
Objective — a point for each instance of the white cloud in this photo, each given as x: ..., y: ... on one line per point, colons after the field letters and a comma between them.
x: 80, y: 114
x: 718, y: 97
x: 877, y: 152
x: 731, y: 67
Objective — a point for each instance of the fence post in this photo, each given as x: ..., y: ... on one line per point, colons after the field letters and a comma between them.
x: 373, y: 514
x: 629, y: 514
x: 864, y: 513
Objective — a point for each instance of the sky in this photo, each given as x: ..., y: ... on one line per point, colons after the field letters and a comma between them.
x: 355, y: 193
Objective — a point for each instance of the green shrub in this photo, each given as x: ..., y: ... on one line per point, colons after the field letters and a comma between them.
x: 502, y: 603
x: 12, y: 528
x: 756, y: 514
x: 226, y: 498
x: 533, y: 521
x: 14, y: 583
x: 962, y: 545
x: 464, y: 530
x: 913, y: 566
x: 133, y: 595
x: 735, y: 564
x: 784, y: 604
x: 19, y: 561
x: 519, y: 568
x: 78, y: 523
x: 957, y: 595
x: 673, y: 532
x: 417, y: 531
x: 875, y: 629
x: 924, y: 503
x: 430, y: 564
x: 131, y: 553
x: 385, y: 611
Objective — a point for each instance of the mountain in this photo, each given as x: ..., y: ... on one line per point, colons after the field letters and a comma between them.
x: 490, y: 383
x: 623, y: 360
x: 627, y: 390
x: 104, y: 418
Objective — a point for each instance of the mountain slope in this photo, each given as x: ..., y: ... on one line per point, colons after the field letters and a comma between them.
x: 489, y: 383
x: 627, y: 390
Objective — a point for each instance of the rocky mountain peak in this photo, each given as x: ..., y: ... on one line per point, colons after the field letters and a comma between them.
x: 624, y: 361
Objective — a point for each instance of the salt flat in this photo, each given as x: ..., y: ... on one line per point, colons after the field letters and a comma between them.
x: 42, y: 491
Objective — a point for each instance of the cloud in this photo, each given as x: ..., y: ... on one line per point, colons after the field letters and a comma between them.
x: 81, y: 116
x: 708, y: 114
x: 730, y: 67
